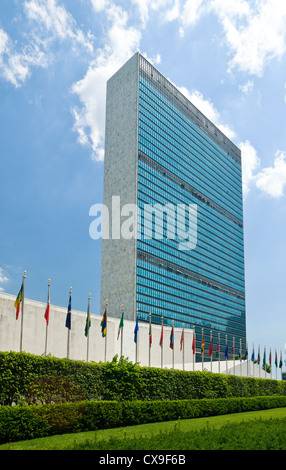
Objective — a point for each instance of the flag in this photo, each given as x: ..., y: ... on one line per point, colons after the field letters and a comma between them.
x: 264, y: 358
x: 88, y: 321
x: 226, y: 352
x: 68, y: 318
x: 258, y: 357
x: 161, y: 337
x: 211, y: 348
x: 172, y: 338
x: 217, y: 350
x: 103, y: 323
x: 252, y: 355
x: 246, y: 354
x: 194, y: 343
x: 270, y: 358
x: 280, y: 363
x: 47, y: 312
x: 136, y: 329
x: 276, y: 360
x: 182, y: 340
x: 232, y: 350
x: 150, y: 334
x: 121, y: 325
x: 18, y: 301
x: 203, y: 344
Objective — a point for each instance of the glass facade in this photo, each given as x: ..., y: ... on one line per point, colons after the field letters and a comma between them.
x: 184, y: 159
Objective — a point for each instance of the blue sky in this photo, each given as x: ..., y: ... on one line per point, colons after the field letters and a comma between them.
x: 227, y: 56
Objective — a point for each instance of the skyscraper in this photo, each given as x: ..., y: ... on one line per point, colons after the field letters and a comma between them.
x: 173, y: 241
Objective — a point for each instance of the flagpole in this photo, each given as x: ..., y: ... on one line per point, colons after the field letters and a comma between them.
x: 247, y: 358
x: 219, y: 353
x: 136, y: 345
x: 22, y: 317
x: 270, y: 360
x: 105, y: 344
x: 69, y: 330
x: 233, y: 356
x: 149, y: 339
x: 265, y: 361
x: 211, y: 352
x: 162, y: 342
x: 47, y: 323
x: 253, y: 354
x: 240, y: 356
x: 194, y: 347
x: 173, y: 354
x: 121, y: 340
x: 183, y: 345
x: 226, y: 350
x: 203, y: 351
x: 88, y: 317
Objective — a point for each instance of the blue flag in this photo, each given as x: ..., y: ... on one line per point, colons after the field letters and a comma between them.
x: 226, y: 352
x: 68, y: 319
x: 252, y: 355
x: 136, y: 329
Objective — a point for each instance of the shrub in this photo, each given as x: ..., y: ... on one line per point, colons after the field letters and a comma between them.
x: 28, y: 422
x: 25, y: 378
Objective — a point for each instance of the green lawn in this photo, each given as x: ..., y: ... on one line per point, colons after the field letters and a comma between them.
x: 65, y: 441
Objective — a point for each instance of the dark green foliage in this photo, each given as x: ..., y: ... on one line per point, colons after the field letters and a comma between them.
x: 26, y: 379
x: 252, y: 435
x: 28, y: 422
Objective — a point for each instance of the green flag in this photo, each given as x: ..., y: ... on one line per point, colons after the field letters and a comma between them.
x: 88, y: 321
x: 121, y: 325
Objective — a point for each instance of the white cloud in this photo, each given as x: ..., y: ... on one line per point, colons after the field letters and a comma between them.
x: 247, y: 87
x: 56, y: 21
x: 15, y: 66
x: 272, y: 180
x: 254, y: 34
x: 250, y: 163
x: 3, y: 278
x: 187, y: 13
x: 120, y: 44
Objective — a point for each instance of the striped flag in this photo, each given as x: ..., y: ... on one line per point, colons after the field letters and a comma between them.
x: 88, y: 320
x: 182, y: 340
x: 68, y: 318
x: 211, y: 348
x: 103, y: 323
x: 276, y: 360
x: 18, y: 301
x: 203, y: 344
x: 172, y: 338
x: 150, y: 334
x: 136, y: 329
x: 161, y: 337
x: 121, y: 324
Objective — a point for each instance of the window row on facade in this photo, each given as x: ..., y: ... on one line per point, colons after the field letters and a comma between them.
x: 176, y: 139
x: 186, y: 134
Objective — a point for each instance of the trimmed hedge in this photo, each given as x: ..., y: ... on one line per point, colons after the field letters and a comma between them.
x: 30, y: 379
x: 29, y: 422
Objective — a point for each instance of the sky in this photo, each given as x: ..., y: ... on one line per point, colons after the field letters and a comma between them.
x: 227, y: 56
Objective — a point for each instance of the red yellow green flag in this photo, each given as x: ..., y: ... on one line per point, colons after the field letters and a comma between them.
x: 18, y: 301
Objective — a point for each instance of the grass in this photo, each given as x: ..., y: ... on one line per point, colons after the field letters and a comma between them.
x: 242, y: 428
